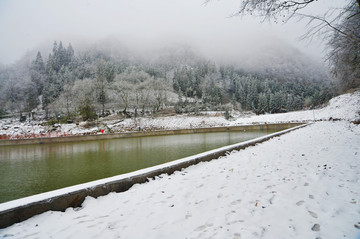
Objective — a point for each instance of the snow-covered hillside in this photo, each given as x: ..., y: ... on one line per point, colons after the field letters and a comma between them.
x: 343, y: 107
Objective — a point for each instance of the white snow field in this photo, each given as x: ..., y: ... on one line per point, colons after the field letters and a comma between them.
x: 304, y: 184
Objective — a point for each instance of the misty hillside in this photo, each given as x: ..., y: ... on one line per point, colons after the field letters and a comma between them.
x: 107, y: 77
x: 283, y: 61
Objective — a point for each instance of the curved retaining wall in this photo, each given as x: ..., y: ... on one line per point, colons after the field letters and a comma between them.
x: 78, y: 138
x: 58, y: 200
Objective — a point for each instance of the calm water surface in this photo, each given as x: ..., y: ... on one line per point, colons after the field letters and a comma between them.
x: 33, y: 169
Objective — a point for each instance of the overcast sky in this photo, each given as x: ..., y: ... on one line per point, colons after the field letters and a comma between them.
x: 25, y: 25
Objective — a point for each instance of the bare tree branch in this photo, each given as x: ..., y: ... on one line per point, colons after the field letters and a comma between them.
x: 327, y: 23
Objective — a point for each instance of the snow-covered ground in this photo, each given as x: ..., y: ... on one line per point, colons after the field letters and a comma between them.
x: 304, y: 184
x: 344, y: 107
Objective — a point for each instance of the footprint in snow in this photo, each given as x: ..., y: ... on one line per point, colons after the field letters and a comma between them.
x: 357, y: 225
x: 292, y: 227
x: 235, y: 202
x: 85, y: 221
x: 237, y: 236
x: 271, y: 200
x: 111, y: 226
x: 7, y: 235
x: 188, y: 215
x: 316, y: 228
x: 80, y: 217
x: 313, y: 214
x: 233, y: 222
x: 299, y: 203
x: 200, y: 228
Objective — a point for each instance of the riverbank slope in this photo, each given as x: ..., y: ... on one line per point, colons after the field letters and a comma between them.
x: 344, y: 107
x: 304, y: 184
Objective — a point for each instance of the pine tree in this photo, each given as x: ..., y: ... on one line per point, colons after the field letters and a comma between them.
x: 290, y: 102
x: 53, y: 61
x: 262, y: 107
x: 31, y: 97
x: 61, y: 56
x: 69, y: 54
x: 37, y: 73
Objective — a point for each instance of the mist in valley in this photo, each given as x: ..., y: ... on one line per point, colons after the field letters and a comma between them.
x: 203, y: 56
x: 143, y: 26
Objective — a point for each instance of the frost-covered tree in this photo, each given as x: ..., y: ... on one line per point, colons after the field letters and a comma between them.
x: 124, y: 91
x: 133, y: 85
x: 66, y: 102
x: 105, y: 73
x: 345, y: 45
x: 69, y: 55
x: 3, y: 80
x: 31, y: 95
x: 58, y: 73
x: 273, y: 9
x: 84, y: 94
x: 15, y: 92
x: 159, y: 91
x: 142, y: 96
x: 263, y: 103
x: 38, y: 73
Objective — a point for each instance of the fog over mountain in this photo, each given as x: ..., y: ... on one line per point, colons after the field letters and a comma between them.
x: 106, y: 77
x: 273, y: 58
x: 146, y: 25
x: 93, y: 58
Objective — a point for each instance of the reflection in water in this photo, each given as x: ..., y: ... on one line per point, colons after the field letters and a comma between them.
x: 32, y: 169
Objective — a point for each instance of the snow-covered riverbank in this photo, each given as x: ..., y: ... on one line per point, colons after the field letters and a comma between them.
x: 345, y: 107
x: 304, y: 184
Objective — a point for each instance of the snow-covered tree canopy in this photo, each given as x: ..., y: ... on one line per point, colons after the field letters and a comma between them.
x: 93, y: 83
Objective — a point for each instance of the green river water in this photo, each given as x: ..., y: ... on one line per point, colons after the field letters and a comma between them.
x: 32, y: 169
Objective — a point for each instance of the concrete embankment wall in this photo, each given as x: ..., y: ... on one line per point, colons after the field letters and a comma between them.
x: 58, y: 200
x: 79, y: 138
